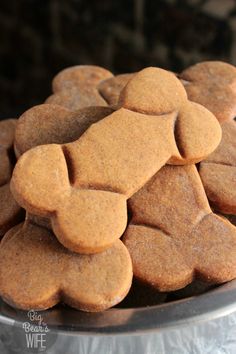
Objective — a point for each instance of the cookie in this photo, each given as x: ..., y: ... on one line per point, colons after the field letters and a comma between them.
x: 173, y: 236
x: 36, y: 272
x: 218, y: 172
x: 213, y: 84
x: 111, y: 88
x: 48, y: 124
x: 7, y: 132
x: 10, y: 211
x: 76, y: 87
x: 84, y: 185
x: 5, y: 166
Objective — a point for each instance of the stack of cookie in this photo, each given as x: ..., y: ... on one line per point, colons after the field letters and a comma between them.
x: 107, y: 175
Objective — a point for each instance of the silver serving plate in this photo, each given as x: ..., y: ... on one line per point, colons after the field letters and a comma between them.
x: 216, y: 303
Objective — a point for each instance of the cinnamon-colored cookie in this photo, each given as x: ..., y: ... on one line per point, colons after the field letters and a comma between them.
x: 76, y: 87
x: 48, y: 124
x: 174, y: 238
x: 213, y: 84
x: 5, y: 166
x: 10, y: 211
x: 84, y: 185
x: 7, y: 132
x: 111, y: 88
x: 36, y: 272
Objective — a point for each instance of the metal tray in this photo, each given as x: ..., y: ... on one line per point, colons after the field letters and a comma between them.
x: 215, y: 303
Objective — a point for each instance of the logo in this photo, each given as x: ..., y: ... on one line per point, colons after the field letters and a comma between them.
x: 36, y: 331
x: 33, y: 335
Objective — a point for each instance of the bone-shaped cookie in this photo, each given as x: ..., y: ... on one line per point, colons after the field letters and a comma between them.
x: 48, y: 124
x: 83, y: 186
x: 213, y: 84
x: 37, y: 272
x: 173, y: 236
x: 10, y: 211
x: 76, y: 87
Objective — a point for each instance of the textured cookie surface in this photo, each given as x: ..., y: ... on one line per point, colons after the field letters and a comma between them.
x: 48, y: 124
x: 91, y: 178
x: 10, y: 211
x: 173, y: 236
x: 76, y: 87
x: 111, y: 88
x: 36, y: 272
x: 213, y: 84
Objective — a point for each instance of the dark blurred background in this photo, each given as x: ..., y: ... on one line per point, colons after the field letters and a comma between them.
x: 38, y: 38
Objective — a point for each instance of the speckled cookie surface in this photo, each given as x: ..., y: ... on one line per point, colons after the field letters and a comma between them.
x: 90, y: 179
x: 48, y: 124
x: 10, y: 211
x: 76, y: 87
x: 174, y: 238
x: 213, y: 84
x: 36, y: 272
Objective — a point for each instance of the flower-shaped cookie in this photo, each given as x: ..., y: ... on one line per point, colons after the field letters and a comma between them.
x: 213, y: 84
x: 76, y: 87
x: 10, y: 212
x: 173, y: 236
x: 83, y: 186
x: 36, y: 272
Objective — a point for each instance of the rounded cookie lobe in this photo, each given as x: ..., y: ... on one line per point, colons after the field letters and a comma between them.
x: 36, y: 272
x: 153, y: 91
x: 104, y: 279
x: 197, y: 133
x: 36, y: 184
x: 83, y: 231
x: 76, y: 87
x: 156, y: 259
x: 219, y: 181
x: 218, y: 172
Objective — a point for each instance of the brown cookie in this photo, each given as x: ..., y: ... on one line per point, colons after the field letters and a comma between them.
x: 174, y: 238
x: 213, y: 84
x: 111, y: 88
x: 36, y: 272
x: 84, y: 185
x: 48, y: 124
x: 7, y: 132
x: 76, y: 87
x: 5, y: 166
x: 10, y: 211
x: 218, y: 172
